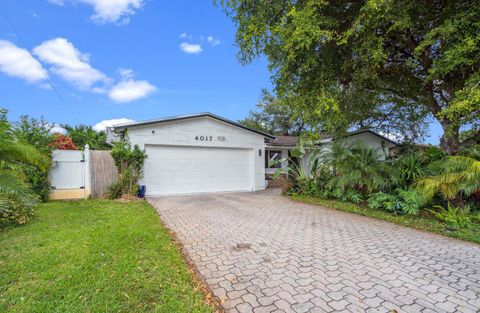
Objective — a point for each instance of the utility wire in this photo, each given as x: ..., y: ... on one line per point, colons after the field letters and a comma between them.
x: 54, y: 89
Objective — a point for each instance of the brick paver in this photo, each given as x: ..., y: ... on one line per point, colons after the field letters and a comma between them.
x: 261, y: 252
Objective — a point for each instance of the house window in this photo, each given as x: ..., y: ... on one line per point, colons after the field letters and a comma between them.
x: 271, y: 156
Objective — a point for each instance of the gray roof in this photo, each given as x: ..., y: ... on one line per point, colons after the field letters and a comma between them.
x: 189, y: 116
x: 361, y: 131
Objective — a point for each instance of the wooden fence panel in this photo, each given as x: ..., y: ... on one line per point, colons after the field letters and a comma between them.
x: 102, y: 172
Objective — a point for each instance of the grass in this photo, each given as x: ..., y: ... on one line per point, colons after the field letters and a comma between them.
x: 95, y: 256
x: 422, y: 221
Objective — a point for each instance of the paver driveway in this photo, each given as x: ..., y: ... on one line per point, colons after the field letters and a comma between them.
x: 262, y: 252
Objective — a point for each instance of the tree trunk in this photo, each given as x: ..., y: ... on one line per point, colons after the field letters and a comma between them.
x: 450, y: 141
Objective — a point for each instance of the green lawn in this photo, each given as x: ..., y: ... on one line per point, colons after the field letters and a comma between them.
x: 422, y: 222
x: 95, y: 256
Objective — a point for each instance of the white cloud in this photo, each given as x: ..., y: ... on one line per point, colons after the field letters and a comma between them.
x: 101, y: 126
x: 69, y: 63
x: 126, y: 73
x: 213, y: 41
x: 128, y: 89
x: 109, y: 11
x: 58, y: 129
x: 18, y: 62
x: 190, y: 48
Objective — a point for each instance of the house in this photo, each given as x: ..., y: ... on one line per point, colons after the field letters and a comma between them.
x: 280, y: 148
x: 197, y: 153
x: 202, y: 153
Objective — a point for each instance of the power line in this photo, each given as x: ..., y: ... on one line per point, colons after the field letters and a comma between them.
x: 9, y: 21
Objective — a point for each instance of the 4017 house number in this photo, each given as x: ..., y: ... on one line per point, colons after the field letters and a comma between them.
x: 209, y: 138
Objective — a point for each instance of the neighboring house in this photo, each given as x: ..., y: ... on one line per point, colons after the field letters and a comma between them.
x: 280, y: 148
x: 203, y: 153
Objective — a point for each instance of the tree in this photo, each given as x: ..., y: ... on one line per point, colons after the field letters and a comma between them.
x: 275, y: 117
x: 390, y: 64
x: 36, y: 132
x: 82, y: 135
x: 16, y: 197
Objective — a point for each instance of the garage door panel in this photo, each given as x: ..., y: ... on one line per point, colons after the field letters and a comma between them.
x: 181, y: 170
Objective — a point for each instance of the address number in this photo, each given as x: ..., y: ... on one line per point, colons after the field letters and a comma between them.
x: 204, y: 138
x: 209, y: 138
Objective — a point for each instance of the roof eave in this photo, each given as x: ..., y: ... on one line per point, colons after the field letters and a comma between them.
x: 190, y: 116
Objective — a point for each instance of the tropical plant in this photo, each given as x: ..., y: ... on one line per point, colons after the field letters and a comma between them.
x: 357, y: 167
x: 36, y: 132
x: 129, y: 162
x: 82, y: 135
x: 409, y: 168
x: 455, y: 217
x: 458, y: 178
x: 398, y: 202
x: 16, y: 197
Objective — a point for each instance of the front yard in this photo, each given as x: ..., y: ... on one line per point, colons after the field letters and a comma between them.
x: 95, y: 256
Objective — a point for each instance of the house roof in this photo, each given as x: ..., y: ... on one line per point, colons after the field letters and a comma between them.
x: 291, y: 141
x: 284, y: 141
x: 189, y: 116
x: 361, y: 131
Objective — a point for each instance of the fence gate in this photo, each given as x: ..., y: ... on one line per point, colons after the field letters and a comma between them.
x: 69, y: 175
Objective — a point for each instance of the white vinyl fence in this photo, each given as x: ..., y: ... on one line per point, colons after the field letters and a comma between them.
x: 70, y: 175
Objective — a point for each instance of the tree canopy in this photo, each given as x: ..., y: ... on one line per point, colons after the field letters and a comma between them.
x: 275, y: 117
x: 391, y: 65
x: 82, y: 135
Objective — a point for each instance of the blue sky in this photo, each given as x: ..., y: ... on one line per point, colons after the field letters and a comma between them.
x: 133, y: 59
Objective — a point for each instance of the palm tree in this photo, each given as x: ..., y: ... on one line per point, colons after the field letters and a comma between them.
x: 15, y: 157
x: 357, y: 167
x: 458, y: 177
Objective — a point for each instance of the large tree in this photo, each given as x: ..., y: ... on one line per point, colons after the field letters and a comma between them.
x: 274, y: 116
x: 383, y: 63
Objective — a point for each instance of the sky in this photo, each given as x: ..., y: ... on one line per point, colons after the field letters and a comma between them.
x: 97, y: 62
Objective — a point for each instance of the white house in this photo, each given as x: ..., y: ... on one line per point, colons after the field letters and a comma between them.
x: 203, y: 152
x: 198, y: 153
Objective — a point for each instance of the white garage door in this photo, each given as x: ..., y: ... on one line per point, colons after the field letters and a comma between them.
x: 181, y: 170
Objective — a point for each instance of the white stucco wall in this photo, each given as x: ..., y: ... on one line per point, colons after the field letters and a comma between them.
x: 375, y: 142
x: 183, y: 133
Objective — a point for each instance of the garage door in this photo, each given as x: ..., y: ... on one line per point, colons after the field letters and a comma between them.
x: 181, y: 170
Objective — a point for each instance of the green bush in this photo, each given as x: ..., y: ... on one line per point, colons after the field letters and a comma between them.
x: 129, y: 162
x: 15, y: 210
x: 454, y: 217
x: 400, y: 202
x: 115, y: 190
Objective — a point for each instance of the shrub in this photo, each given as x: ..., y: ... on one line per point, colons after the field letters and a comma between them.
x: 357, y: 167
x: 115, y: 190
x: 452, y: 216
x: 15, y: 210
x: 401, y: 202
x: 16, y: 197
x: 129, y: 162
x: 36, y: 132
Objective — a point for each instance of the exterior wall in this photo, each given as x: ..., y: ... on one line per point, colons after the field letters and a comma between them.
x: 222, y: 135
x: 377, y: 143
